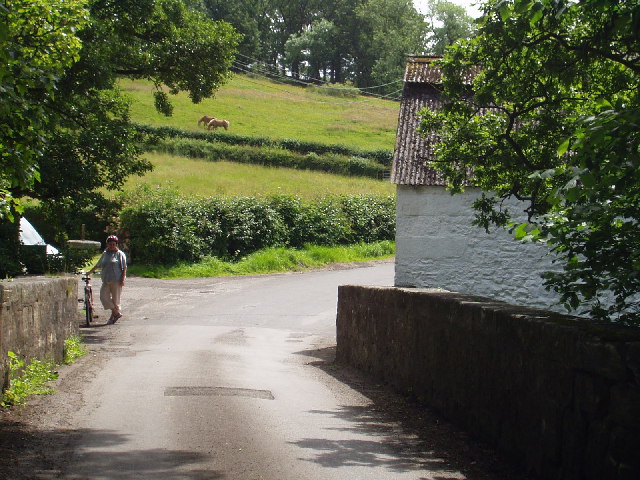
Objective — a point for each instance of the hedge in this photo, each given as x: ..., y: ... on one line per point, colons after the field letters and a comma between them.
x: 273, y: 157
x: 163, y: 227
x: 155, y: 134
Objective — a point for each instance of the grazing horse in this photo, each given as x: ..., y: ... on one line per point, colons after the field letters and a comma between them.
x: 216, y: 122
x: 205, y: 120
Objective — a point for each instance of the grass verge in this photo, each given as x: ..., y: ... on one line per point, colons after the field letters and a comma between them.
x: 33, y: 378
x: 270, y: 260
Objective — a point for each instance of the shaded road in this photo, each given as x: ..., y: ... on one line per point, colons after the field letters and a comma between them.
x: 233, y: 378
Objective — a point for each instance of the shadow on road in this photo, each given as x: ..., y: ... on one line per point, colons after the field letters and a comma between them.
x: 27, y: 454
x: 418, y: 436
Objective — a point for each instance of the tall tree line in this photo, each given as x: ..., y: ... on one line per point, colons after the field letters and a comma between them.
x: 364, y: 42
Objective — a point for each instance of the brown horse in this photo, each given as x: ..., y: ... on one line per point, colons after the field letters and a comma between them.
x: 205, y: 120
x: 216, y: 122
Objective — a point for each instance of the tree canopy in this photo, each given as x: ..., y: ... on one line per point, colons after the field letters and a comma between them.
x: 38, y: 42
x: 447, y: 23
x: 365, y: 42
x: 552, y: 120
x: 78, y: 136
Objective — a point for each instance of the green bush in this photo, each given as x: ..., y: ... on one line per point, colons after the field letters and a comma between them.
x: 322, y: 223
x: 372, y: 218
x: 252, y: 224
x: 165, y: 228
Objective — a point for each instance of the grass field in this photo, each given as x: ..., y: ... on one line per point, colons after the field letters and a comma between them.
x: 260, y: 107
x: 204, y: 178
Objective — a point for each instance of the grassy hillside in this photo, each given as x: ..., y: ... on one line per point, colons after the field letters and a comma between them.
x: 204, y: 178
x: 263, y: 108
x: 260, y: 107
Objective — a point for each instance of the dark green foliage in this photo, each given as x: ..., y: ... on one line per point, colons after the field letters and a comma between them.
x: 164, y: 227
x: 168, y: 228
x: 38, y: 42
x: 447, y: 23
x: 154, y: 136
x: 9, y: 249
x: 67, y: 124
x: 371, y: 218
x: 559, y: 85
x: 96, y: 214
x: 69, y: 260
x: 251, y: 224
x: 322, y: 223
x: 17, y: 259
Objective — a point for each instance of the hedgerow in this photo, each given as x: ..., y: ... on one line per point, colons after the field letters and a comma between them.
x: 155, y: 134
x: 163, y: 227
x: 272, y: 157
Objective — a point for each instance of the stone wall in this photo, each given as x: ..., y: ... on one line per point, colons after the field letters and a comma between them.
x: 37, y: 314
x: 438, y: 247
x: 559, y: 395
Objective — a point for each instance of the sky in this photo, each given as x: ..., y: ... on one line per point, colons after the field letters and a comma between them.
x: 467, y: 4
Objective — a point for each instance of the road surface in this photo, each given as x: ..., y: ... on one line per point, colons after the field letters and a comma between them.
x: 233, y: 378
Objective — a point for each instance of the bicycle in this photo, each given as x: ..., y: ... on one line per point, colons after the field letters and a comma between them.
x: 88, y: 298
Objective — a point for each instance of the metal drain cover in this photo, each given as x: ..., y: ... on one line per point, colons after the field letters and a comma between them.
x: 217, y: 392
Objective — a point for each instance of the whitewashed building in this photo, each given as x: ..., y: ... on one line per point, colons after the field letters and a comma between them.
x: 436, y: 244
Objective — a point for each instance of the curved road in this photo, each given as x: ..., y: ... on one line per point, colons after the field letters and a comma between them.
x: 232, y: 378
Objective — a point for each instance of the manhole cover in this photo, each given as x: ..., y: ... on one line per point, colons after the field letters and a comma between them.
x: 217, y: 392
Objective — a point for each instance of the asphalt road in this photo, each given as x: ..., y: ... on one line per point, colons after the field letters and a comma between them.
x: 233, y: 378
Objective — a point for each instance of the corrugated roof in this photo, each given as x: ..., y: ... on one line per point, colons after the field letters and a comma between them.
x: 412, y: 151
x: 422, y: 70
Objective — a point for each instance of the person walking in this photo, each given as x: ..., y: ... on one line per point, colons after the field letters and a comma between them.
x: 113, y: 267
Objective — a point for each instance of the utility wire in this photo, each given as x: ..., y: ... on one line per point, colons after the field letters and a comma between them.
x: 270, y: 68
x: 295, y: 94
x: 247, y: 68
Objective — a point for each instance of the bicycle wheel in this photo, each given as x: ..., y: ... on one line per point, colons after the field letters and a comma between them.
x: 88, y: 308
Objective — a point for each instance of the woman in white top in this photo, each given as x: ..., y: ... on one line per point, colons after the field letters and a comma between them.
x: 113, y: 266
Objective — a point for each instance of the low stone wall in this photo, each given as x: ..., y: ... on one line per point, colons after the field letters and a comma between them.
x: 37, y: 314
x: 559, y: 395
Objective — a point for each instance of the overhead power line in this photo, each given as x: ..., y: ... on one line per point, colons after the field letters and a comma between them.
x: 391, y: 96
x: 272, y: 68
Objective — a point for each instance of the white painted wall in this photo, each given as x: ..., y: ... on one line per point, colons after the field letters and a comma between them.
x: 437, y: 247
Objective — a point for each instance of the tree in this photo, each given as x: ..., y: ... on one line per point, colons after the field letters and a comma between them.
x: 448, y: 23
x: 341, y: 13
x: 256, y: 30
x: 314, y: 49
x: 553, y: 120
x: 38, y: 40
x: 391, y: 30
x: 95, y: 144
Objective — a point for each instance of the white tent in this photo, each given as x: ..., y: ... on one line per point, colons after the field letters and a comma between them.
x: 30, y: 236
